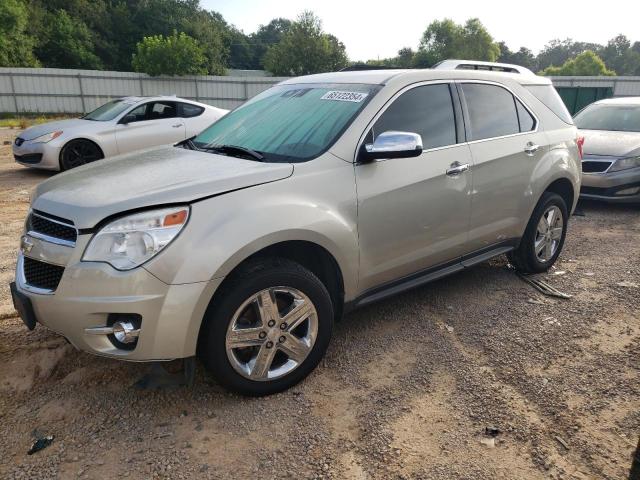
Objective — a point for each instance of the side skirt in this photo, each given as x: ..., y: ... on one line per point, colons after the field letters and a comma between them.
x: 422, y: 277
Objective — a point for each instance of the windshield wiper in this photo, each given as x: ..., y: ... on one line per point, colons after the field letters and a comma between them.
x: 233, y: 149
x: 186, y: 143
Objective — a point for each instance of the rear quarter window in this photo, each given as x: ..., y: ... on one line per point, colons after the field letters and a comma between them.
x: 187, y: 110
x: 548, y: 95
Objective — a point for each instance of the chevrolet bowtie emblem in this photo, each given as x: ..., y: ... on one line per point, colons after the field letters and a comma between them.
x: 25, y: 244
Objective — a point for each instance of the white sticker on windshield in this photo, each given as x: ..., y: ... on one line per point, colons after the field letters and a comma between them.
x: 344, y: 96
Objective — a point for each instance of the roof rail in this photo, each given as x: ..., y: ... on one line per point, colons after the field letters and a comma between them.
x: 480, y: 65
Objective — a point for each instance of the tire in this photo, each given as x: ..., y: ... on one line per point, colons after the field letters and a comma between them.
x: 526, y: 258
x: 239, y: 327
x: 79, y: 152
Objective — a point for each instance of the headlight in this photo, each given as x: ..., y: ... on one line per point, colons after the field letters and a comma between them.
x: 47, y: 137
x: 128, y: 242
x: 625, y: 163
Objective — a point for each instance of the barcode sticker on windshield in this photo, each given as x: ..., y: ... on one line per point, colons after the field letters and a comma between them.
x: 344, y: 96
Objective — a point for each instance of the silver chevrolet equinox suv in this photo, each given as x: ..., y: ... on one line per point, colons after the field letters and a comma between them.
x: 324, y: 193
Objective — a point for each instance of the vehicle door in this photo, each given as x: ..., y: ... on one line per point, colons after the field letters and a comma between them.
x: 506, y: 147
x: 153, y: 123
x: 413, y: 213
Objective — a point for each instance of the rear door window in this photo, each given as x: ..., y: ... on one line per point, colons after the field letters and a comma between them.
x: 426, y: 110
x: 527, y: 122
x: 492, y: 111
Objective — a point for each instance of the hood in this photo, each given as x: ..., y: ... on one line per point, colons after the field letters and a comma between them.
x: 158, y: 176
x: 37, y: 130
x: 611, y: 144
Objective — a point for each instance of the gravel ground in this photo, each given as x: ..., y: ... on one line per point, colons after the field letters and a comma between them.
x: 407, y: 389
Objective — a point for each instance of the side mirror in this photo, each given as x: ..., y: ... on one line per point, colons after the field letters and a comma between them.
x: 128, y: 119
x: 393, y: 144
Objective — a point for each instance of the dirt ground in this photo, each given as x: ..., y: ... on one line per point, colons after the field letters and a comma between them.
x: 406, y: 391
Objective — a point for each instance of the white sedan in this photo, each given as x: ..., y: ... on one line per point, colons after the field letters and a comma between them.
x: 119, y: 126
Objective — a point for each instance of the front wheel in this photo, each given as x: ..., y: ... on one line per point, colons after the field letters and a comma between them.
x: 267, y: 329
x: 78, y: 152
x: 544, y: 237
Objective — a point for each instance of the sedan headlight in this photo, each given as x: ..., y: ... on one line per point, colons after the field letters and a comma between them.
x: 624, y: 164
x: 128, y: 242
x: 47, y: 137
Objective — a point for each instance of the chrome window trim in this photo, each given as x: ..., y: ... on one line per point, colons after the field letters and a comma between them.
x: 497, y: 84
x: 22, y: 281
x: 389, y: 102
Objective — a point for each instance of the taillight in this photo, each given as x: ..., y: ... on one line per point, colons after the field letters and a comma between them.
x: 580, y: 143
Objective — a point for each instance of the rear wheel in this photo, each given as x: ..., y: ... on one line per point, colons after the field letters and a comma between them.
x: 79, y: 152
x: 544, y: 237
x: 267, y: 329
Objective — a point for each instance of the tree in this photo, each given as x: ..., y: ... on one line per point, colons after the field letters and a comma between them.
x: 445, y: 39
x: 177, y: 54
x: 266, y: 36
x: 67, y: 43
x: 621, y: 57
x: 16, y: 46
x: 305, y: 49
x: 585, y: 64
x: 557, y: 51
x: 523, y: 57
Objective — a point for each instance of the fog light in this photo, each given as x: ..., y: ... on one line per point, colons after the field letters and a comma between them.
x: 125, y: 332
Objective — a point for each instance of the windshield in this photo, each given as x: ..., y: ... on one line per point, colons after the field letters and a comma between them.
x: 619, y: 118
x: 290, y: 123
x: 109, y: 110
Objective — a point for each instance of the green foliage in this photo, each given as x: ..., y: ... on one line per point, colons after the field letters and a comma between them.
x: 445, y: 39
x: 177, y: 54
x: 620, y: 56
x: 266, y: 36
x: 305, y: 49
x: 523, y: 57
x: 16, y: 46
x: 67, y: 42
x: 585, y: 64
x: 557, y: 52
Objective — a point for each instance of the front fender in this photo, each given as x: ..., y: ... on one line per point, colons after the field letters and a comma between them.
x: 225, y: 230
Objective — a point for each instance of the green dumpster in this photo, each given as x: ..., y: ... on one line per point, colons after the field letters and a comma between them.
x: 576, y: 98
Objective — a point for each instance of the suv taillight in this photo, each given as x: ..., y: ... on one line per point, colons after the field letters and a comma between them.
x: 580, y: 143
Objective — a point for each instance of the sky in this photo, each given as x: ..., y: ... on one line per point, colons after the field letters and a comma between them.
x: 379, y: 29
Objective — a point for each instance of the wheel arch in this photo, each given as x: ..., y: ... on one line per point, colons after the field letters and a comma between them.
x: 563, y: 187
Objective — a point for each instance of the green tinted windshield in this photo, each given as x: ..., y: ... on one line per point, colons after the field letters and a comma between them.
x: 290, y: 123
x: 109, y: 110
x: 619, y: 118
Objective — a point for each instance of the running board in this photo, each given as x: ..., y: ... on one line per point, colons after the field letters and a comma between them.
x: 429, y: 275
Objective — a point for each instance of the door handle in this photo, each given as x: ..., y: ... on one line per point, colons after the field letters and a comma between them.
x: 456, y: 168
x: 531, y: 148
x: 177, y: 125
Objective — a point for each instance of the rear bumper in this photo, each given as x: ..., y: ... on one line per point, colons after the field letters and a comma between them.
x: 615, y: 187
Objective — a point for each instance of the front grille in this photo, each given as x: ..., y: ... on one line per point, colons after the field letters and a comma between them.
x: 19, y: 141
x: 42, y: 275
x: 590, y: 166
x: 56, y: 228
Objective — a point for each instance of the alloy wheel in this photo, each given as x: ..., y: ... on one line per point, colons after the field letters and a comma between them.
x: 271, y: 333
x: 548, y: 234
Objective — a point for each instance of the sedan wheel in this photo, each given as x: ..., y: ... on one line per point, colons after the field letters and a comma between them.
x: 79, y: 152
